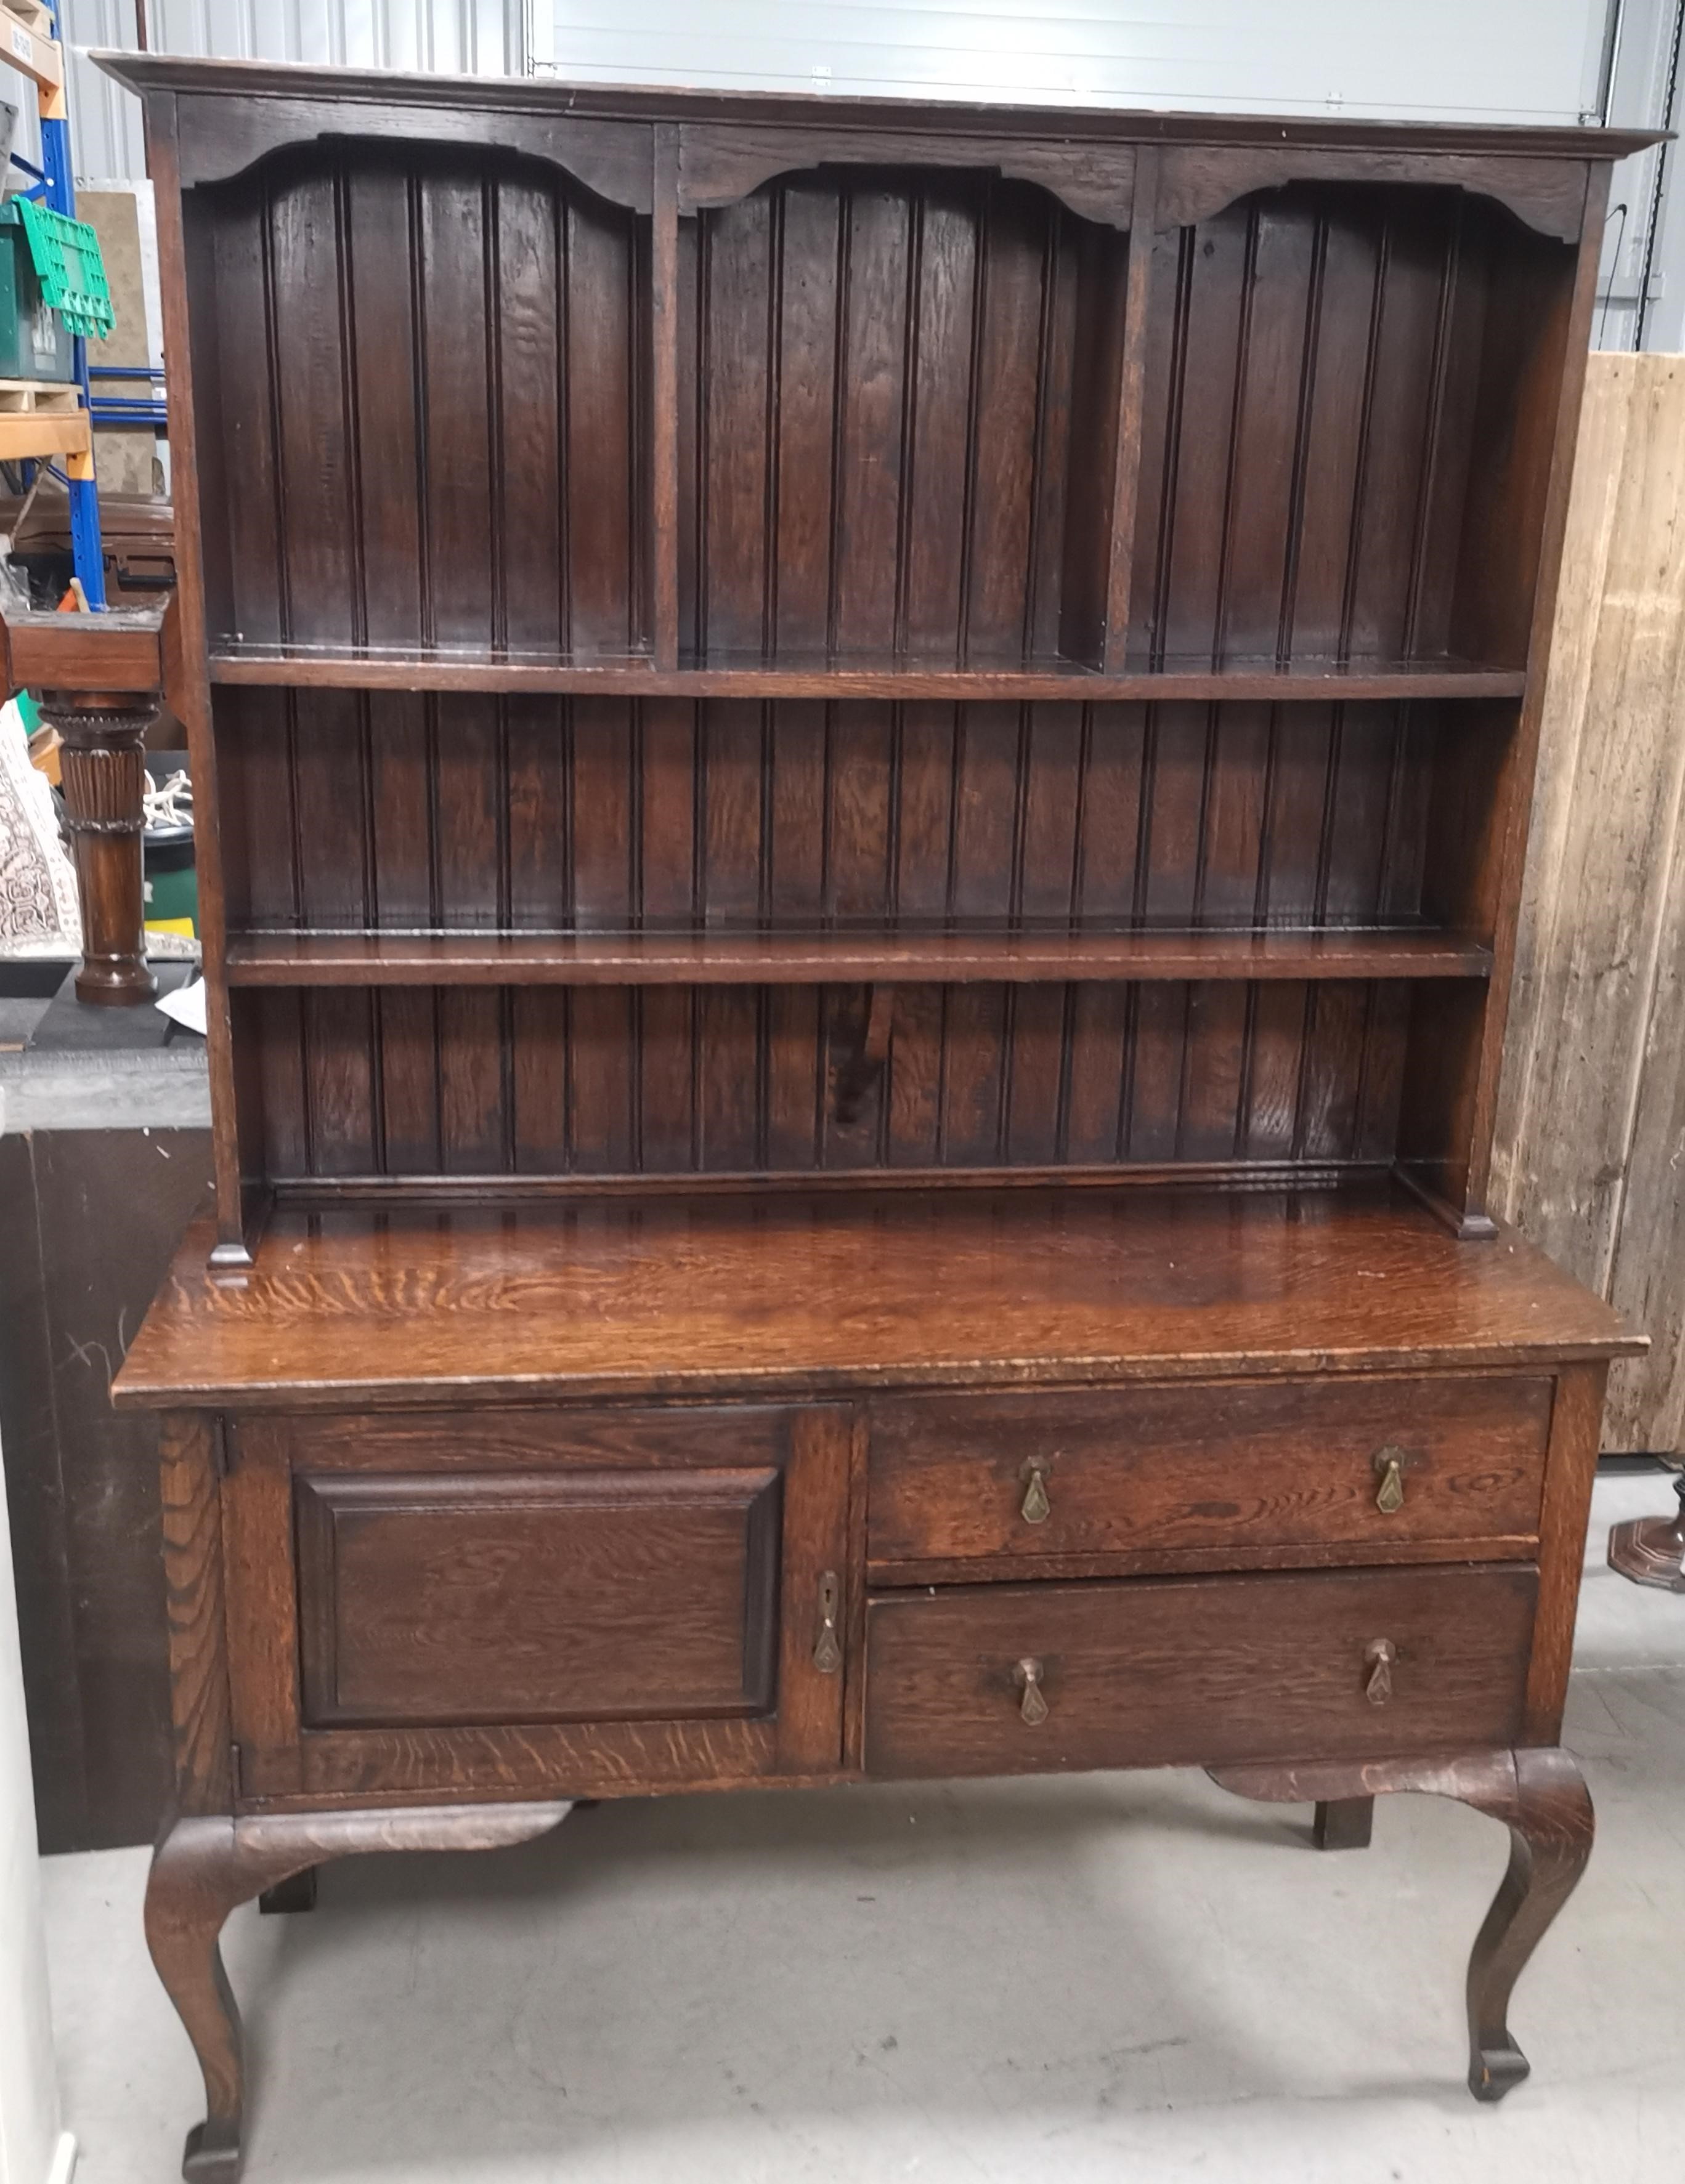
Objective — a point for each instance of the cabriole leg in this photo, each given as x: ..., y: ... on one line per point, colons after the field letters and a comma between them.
x: 204, y: 1867
x: 1541, y: 1797
x: 197, y: 1879
x: 1549, y: 1816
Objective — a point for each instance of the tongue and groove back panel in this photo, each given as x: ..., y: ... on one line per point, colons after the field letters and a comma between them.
x: 469, y: 814
x: 671, y: 1081
x: 895, y: 393
x: 347, y: 811
x: 457, y: 408
x: 426, y: 400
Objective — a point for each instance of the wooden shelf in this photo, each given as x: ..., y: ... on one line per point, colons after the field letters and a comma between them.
x: 26, y: 44
x: 642, y: 959
x: 38, y: 435
x: 349, y: 668
x: 1041, y: 638
x: 672, y: 1293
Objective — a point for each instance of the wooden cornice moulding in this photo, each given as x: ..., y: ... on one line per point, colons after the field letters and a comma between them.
x: 600, y: 135
x: 719, y: 164
x: 153, y: 74
x: 610, y: 159
x: 1198, y: 181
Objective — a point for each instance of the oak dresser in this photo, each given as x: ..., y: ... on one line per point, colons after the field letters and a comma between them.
x: 865, y: 773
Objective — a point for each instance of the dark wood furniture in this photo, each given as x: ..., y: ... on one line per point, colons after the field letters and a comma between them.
x: 870, y: 767
x: 99, y: 681
x: 90, y: 1218
x: 1651, y: 1550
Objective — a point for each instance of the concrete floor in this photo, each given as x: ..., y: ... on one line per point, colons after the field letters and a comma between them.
x: 1101, y: 1977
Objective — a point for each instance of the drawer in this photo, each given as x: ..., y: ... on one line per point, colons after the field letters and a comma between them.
x: 1208, y: 1468
x: 1172, y: 1672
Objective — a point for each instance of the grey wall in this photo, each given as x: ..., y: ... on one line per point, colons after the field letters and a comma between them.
x: 1641, y: 302
x: 1513, y: 60
x: 465, y: 37
x: 1505, y: 60
x: 1500, y: 60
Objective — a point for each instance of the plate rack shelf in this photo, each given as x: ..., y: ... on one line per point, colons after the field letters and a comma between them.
x: 734, y: 639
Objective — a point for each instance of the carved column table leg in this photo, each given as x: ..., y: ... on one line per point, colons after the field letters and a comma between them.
x: 204, y: 1868
x: 1541, y: 1796
x: 1651, y: 1550
x: 105, y: 777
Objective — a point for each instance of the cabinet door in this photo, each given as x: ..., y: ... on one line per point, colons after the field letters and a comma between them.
x: 471, y: 1602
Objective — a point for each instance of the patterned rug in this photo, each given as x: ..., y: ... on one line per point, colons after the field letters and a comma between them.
x: 38, y: 913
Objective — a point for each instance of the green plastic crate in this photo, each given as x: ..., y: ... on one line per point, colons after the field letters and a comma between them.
x: 35, y: 342
x: 72, y: 271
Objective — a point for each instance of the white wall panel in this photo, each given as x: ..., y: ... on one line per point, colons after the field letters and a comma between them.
x: 1504, y: 60
x: 32, y: 2149
x: 1521, y: 60
x: 1641, y: 300
x: 457, y: 37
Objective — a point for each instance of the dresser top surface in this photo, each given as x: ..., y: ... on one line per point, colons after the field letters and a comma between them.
x: 170, y: 72
x: 829, y: 1291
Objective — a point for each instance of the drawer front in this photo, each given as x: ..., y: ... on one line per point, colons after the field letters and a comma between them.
x: 1207, y: 1468
x: 1171, y: 1672
x: 544, y: 1599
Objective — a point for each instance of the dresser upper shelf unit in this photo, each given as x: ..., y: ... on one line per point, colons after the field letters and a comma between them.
x: 760, y: 639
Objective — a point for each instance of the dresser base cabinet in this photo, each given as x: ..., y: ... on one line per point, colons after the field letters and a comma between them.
x: 863, y: 772
x: 433, y: 1596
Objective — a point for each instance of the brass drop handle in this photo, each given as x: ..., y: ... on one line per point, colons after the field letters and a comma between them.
x: 1379, y: 1655
x: 1035, y: 1508
x: 826, y: 1646
x: 1389, y: 1470
x: 1034, y: 1704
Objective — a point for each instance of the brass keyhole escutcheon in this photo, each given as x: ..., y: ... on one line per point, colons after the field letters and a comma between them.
x: 1035, y: 1508
x: 1034, y: 1704
x: 1379, y: 1655
x: 1389, y: 1466
x: 828, y: 1647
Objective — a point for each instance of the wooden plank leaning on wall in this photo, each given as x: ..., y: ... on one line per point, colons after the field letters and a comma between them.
x: 1591, y: 1116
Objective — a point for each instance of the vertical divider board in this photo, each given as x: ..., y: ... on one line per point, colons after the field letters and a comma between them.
x: 1131, y: 395
x: 237, y: 1131
x: 664, y: 398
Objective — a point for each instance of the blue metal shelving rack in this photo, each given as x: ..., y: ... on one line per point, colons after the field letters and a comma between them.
x: 54, y: 182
